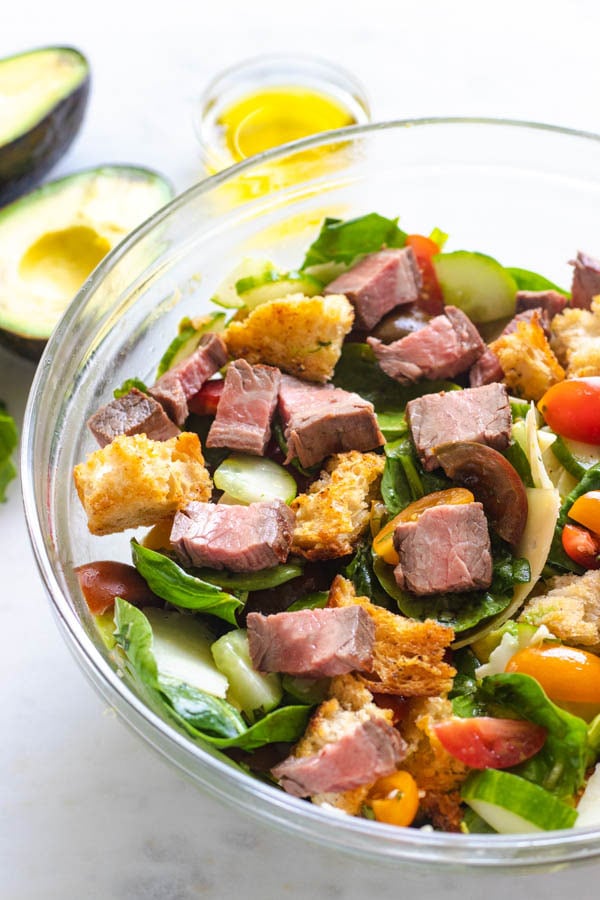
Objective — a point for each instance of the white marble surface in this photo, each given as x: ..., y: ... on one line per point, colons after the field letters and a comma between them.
x: 87, y: 810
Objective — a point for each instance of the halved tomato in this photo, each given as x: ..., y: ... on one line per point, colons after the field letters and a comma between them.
x: 565, y: 673
x: 205, y: 402
x: 487, y: 743
x: 431, y: 299
x: 572, y: 409
x: 581, y: 546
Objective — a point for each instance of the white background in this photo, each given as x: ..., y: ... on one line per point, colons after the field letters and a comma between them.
x: 86, y: 809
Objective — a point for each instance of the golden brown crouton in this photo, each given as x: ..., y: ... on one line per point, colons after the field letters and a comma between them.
x: 334, y: 514
x: 301, y: 335
x: 570, y: 609
x: 135, y: 481
x: 576, y: 340
x: 408, y: 657
x: 432, y: 767
x: 349, y: 704
x: 529, y: 365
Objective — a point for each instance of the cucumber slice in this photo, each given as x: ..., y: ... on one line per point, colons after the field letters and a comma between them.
x: 250, y: 479
x: 253, y: 692
x: 226, y: 294
x: 273, y: 285
x: 181, y: 646
x: 575, y: 456
x: 477, y: 284
x: 512, y: 805
x: 188, y: 337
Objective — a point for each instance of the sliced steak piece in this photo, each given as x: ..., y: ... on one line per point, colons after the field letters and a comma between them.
x: 246, y: 407
x: 447, y: 548
x: 487, y: 368
x: 134, y: 413
x: 586, y: 280
x: 480, y: 414
x: 378, y: 283
x: 445, y: 347
x: 319, y: 420
x: 313, y: 643
x: 367, y: 751
x: 239, y: 538
x: 551, y: 301
x: 179, y: 384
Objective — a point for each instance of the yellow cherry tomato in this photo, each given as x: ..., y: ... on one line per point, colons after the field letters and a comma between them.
x: 586, y: 511
x: 566, y: 674
x: 383, y: 545
x: 394, y: 799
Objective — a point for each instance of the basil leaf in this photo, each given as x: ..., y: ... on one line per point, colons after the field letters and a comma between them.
x: 531, y: 281
x: 203, y: 712
x: 316, y: 600
x: 8, y: 443
x: 251, y: 581
x: 465, y: 686
x: 344, y: 241
x: 172, y: 583
x: 127, y: 386
x: 284, y: 725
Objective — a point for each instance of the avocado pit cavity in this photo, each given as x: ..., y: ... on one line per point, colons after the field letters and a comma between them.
x: 56, y: 265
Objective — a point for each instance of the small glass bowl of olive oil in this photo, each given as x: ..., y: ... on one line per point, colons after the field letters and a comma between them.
x: 264, y: 102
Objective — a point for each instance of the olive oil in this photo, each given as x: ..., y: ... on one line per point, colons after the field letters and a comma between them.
x: 276, y: 115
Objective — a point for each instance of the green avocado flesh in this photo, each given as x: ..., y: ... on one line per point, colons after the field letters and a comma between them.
x: 54, y: 237
x: 43, y: 95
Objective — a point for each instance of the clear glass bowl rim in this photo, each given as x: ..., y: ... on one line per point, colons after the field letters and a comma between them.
x: 355, y: 836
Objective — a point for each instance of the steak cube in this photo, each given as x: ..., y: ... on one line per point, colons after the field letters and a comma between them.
x: 238, y: 538
x: 550, y: 301
x: 134, y: 413
x: 445, y: 347
x: 378, y: 283
x: 446, y: 549
x: 246, y: 407
x: 320, y: 420
x: 313, y: 643
x: 179, y: 384
x: 586, y: 280
x: 480, y: 414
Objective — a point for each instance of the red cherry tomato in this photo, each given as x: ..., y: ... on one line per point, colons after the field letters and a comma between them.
x: 104, y: 580
x: 581, y: 546
x: 205, y: 402
x: 572, y: 409
x: 487, y: 743
x: 431, y: 299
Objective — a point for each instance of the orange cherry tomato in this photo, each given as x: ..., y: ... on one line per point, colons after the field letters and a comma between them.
x: 431, y: 299
x: 383, y: 544
x: 586, y: 511
x: 394, y: 799
x: 581, y: 546
x: 565, y: 673
x: 484, y: 742
x: 572, y: 408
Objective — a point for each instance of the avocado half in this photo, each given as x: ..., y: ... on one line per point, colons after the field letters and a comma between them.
x: 53, y: 238
x: 43, y: 96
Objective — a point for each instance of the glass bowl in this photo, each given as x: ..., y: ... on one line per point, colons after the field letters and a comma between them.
x: 527, y: 194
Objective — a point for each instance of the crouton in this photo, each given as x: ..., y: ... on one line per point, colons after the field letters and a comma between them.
x: 529, y: 365
x: 432, y: 767
x: 576, y: 340
x: 135, y: 481
x: 570, y: 609
x: 301, y: 335
x: 334, y: 514
x: 349, y: 703
x: 408, y: 657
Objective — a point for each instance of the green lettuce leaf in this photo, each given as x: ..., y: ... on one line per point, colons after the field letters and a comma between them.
x: 531, y: 281
x: 344, y: 241
x: 8, y: 443
x: 172, y: 583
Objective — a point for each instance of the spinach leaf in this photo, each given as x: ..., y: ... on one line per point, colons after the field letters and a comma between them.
x: 178, y: 587
x: 360, y: 572
x: 560, y: 765
x: 315, y: 600
x: 343, y: 241
x: 203, y: 716
x: 8, y: 442
x: 404, y: 480
x: 517, y: 457
x: 251, y: 581
x: 127, y: 386
x: 557, y: 556
x: 465, y: 686
x: 531, y: 281
x: 460, y: 610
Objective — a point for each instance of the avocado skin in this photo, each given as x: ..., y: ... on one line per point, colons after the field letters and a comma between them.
x: 25, y: 161
x: 29, y: 348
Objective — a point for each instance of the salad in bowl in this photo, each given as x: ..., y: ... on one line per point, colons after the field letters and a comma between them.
x: 371, y: 575
x: 328, y: 542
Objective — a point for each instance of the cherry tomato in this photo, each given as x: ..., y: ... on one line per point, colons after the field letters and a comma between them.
x: 205, y: 402
x: 394, y: 799
x: 572, y: 409
x: 431, y: 299
x: 565, y: 673
x: 586, y: 511
x: 488, y: 743
x: 383, y: 544
x: 581, y: 546
x: 104, y: 580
